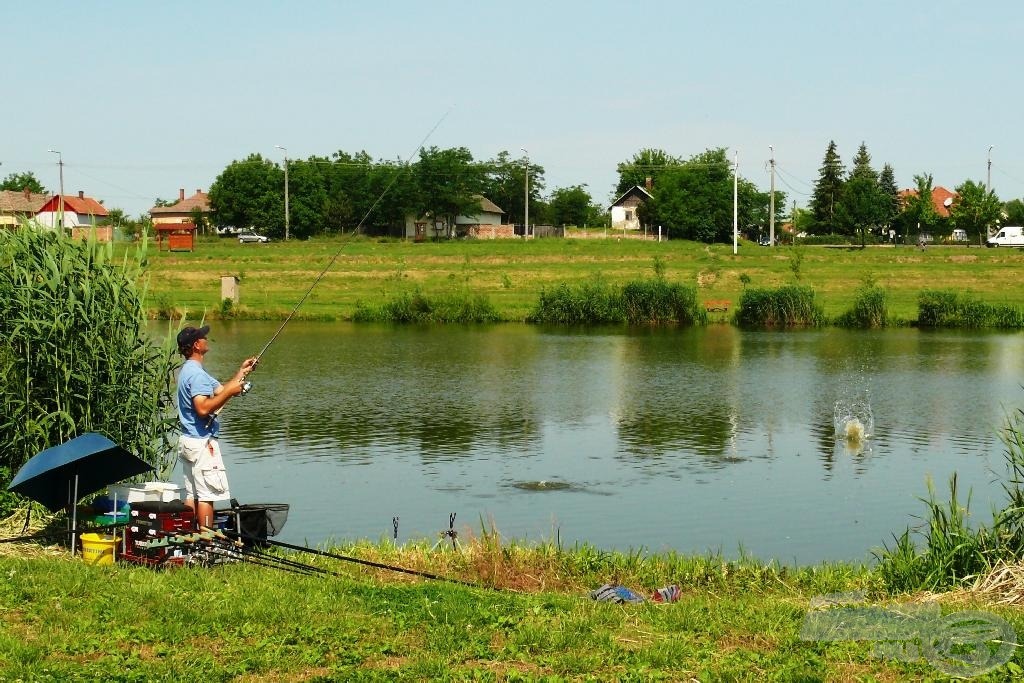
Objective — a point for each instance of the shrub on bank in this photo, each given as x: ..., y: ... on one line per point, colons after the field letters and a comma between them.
x: 416, y: 307
x: 590, y: 303
x: 870, y: 309
x: 639, y: 302
x: 950, y: 308
x: 658, y: 301
x: 786, y: 306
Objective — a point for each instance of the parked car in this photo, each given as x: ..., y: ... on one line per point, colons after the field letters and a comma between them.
x: 250, y: 236
x: 959, y: 235
x: 227, y: 231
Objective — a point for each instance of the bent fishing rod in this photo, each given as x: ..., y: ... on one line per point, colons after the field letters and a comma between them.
x: 246, y: 386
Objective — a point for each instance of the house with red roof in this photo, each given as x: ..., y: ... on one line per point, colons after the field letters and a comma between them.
x: 942, y: 199
x: 80, y: 214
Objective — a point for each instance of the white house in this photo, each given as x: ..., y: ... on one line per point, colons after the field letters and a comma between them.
x: 79, y: 212
x: 489, y: 216
x: 624, y: 209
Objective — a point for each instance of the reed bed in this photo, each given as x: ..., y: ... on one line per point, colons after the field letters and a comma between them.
x: 786, y: 306
x: 949, y: 550
x: 417, y: 307
x: 870, y: 309
x: 951, y: 308
x: 637, y: 302
x: 75, y: 356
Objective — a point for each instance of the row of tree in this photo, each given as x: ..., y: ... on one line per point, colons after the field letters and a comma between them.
x: 865, y: 200
x: 346, y: 192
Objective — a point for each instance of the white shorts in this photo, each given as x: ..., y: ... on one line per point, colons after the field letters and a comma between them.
x: 206, y: 480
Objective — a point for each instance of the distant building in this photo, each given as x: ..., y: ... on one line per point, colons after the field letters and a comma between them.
x: 624, y: 209
x: 181, y: 210
x: 81, y: 215
x: 16, y: 206
x: 942, y: 199
x: 485, y: 223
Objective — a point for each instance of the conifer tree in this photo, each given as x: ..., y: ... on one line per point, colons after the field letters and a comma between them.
x: 891, y: 192
x: 828, y: 190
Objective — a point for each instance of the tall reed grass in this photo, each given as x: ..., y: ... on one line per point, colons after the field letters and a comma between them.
x: 870, y: 308
x: 947, y: 549
x: 75, y: 357
x: 638, y: 302
x: 416, y: 307
x: 786, y: 306
x: 950, y: 308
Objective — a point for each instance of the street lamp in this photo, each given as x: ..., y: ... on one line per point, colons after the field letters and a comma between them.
x: 286, y: 212
x: 526, y: 198
x: 60, y: 165
x: 988, y: 188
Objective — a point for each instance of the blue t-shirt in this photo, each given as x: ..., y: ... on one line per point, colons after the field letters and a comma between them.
x: 194, y: 380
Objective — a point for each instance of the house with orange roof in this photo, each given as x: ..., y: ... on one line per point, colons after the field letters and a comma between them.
x: 181, y: 210
x: 942, y: 199
x: 81, y: 214
x: 16, y: 206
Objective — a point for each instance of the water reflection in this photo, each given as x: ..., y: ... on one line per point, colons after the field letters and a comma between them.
x: 697, y: 439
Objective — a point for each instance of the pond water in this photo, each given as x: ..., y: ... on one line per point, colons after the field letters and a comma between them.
x: 694, y: 440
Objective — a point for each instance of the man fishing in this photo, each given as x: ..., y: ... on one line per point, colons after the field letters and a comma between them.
x: 200, y: 398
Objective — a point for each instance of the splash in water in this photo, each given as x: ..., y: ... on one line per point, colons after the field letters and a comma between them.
x: 853, y: 421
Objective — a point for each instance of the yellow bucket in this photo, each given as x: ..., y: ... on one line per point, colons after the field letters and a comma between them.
x: 98, y: 550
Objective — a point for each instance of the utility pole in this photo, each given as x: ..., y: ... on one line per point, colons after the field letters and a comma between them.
x: 526, y: 198
x: 792, y: 220
x: 988, y: 188
x: 771, y: 201
x: 287, y: 213
x: 735, y: 202
x: 60, y: 202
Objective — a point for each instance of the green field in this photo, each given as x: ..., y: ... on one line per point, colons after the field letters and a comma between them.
x: 512, y: 273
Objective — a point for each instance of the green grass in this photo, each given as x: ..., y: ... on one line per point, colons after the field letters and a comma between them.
x: 511, y: 274
x: 63, y: 620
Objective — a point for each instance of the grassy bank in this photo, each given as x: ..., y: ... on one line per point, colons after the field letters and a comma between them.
x: 512, y: 274
x: 63, y: 620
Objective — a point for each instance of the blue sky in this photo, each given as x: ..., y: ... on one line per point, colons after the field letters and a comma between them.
x: 145, y: 98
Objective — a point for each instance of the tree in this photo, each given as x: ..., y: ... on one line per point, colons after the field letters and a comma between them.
x: 505, y: 185
x: 250, y: 193
x: 647, y: 163
x: 570, y: 205
x: 1013, y: 212
x: 891, y: 193
x: 694, y: 199
x: 862, y: 204
x: 198, y: 219
x: 18, y: 182
x: 449, y: 184
x: 975, y: 209
x: 828, y: 190
x: 919, y: 213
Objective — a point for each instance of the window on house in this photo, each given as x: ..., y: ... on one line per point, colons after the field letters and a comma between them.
x: 629, y: 215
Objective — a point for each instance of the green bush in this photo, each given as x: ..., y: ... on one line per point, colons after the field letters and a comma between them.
x: 870, y: 309
x: 416, y: 307
x: 950, y: 308
x: 590, y: 303
x: 657, y: 301
x: 787, y: 306
x: 75, y: 357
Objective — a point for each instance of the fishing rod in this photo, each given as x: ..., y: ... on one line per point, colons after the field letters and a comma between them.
x: 246, y: 386
x: 368, y: 563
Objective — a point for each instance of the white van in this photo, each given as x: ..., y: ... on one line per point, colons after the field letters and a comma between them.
x: 1010, y: 236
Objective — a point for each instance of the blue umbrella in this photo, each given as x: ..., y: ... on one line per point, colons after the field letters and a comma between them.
x: 58, y: 476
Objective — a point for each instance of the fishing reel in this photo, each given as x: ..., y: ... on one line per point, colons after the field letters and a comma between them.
x: 246, y: 387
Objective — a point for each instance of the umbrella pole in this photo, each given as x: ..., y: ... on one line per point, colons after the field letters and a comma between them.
x: 74, y: 517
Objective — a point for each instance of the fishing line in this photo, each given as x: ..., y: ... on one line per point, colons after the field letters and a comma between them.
x: 405, y: 167
x: 356, y: 560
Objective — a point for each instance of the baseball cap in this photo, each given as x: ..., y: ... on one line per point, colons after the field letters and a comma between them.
x: 190, y: 335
